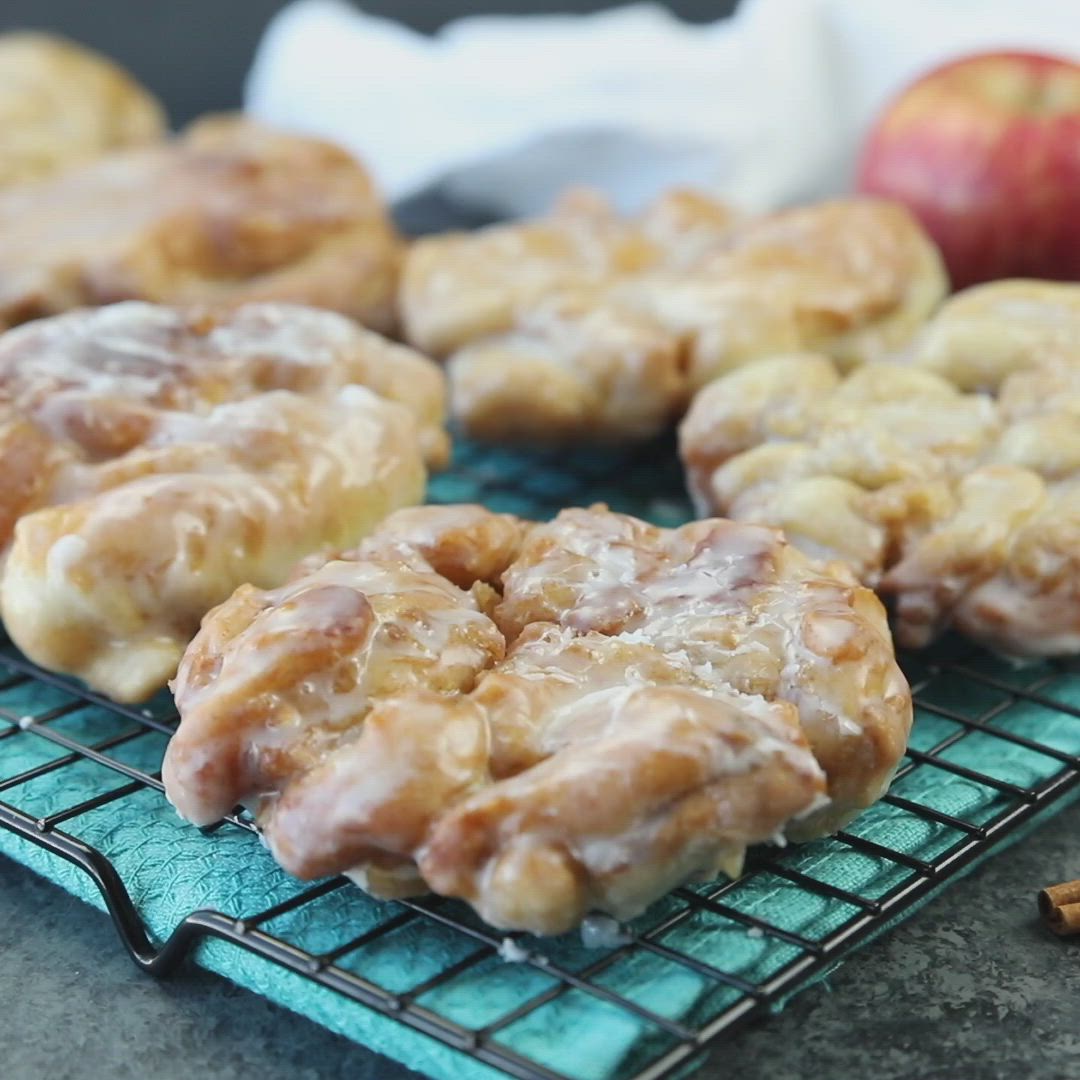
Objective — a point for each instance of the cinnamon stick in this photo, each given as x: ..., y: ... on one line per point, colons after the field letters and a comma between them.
x: 1059, y: 906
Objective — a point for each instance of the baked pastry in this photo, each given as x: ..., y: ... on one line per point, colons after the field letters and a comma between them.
x: 587, y: 325
x: 155, y: 459
x: 852, y: 278
x: 985, y: 333
x: 460, y: 287
x: 572, y: 369
x: 540, y: 719
x: 964, y: 509
x: 78, y: 374
x: 228, y: 212
x: 62, y: 105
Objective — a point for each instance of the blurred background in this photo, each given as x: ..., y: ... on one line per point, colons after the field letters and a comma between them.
x: 194, y: 54
x: 786, y: 103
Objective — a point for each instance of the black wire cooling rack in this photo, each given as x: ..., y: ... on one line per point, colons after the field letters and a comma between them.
x: 993, y: 747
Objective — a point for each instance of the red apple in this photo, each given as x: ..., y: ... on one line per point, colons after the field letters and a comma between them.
x: 986, y: 152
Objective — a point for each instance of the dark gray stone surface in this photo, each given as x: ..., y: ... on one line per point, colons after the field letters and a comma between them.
x: 970, y: 988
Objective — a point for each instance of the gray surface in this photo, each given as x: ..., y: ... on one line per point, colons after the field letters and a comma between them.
x: 971, y: 988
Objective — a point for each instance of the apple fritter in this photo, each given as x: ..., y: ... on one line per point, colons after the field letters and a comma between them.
x: 851, y: 278
x: 84, y: 375
x: 586, y: 325
x: 111, y: 586
x: 961, y: 507
x: 228, y: 212
x: 154, y: 459
x: 62, y: 105
x: 543, y: 720
x: 571, y: 368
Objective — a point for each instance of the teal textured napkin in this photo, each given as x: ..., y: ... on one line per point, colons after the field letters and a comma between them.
x: 171, y: 869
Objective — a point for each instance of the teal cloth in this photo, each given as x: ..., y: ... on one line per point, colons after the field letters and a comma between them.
x: 171, y: 869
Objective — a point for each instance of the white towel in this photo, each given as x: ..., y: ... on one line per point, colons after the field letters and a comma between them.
x: 765, y: 108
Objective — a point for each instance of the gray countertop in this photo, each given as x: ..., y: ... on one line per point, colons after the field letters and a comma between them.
x: 971, y: 988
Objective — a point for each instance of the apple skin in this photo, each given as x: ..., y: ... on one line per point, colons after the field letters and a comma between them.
x: 986, y: 152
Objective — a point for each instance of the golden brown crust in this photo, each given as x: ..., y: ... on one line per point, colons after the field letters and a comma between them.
x: 227, y: 213
x: 154, y: 459
x: 466, y: 544
x: 962, y: 508
x: 62, y: 105
x: 586, y: 325
x: 541, y: 719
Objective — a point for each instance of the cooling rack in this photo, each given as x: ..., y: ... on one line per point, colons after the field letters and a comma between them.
x: 993, y: 746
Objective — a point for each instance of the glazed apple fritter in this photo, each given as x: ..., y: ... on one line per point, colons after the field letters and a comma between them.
x: 228, y: 212
x: 586, y: 325
x: 62, y: 105
x: 155, y: 459
x: 541, y: 719
x: 963, y: 508
x: 79, y: 374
